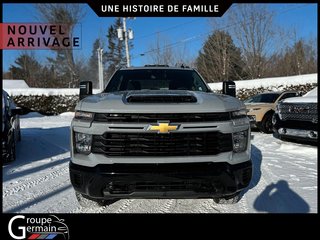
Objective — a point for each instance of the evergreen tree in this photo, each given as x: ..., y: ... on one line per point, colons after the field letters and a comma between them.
x: 115, y: 56
x: 26, y: 67
x: 70, y: 14
x: 220, y: 60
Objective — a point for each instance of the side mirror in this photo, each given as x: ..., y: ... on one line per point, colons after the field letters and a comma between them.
x: 20, y: 111
x: 85, y: 89
x: 229, y: 88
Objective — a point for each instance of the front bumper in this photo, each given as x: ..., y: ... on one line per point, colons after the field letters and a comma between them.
x: 252, y: 120
x: 298, y: 130
x: 166, y: 180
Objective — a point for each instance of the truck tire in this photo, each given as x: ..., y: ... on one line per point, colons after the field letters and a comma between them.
x: 12, y: 150
x: 266, y: 123
x: 230, y: 200
x: 89, y: 203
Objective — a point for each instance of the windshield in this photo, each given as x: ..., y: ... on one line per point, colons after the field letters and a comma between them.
x: 156, y: 79
x: 263, y: 98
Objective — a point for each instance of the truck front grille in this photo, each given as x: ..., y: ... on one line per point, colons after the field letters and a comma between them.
x: 298, y: 112
x: 155, y: 117
x: 154, y: 144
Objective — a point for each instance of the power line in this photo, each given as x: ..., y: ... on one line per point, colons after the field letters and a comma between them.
x: 168, y: 29
x: 174, y: 27
x: 193, y: 38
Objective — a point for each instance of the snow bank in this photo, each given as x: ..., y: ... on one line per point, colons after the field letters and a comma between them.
x: 50, y: 101
x: 276, y: 83
x: 67, y: 114
x: 45, y: 91
x: 47, y: 105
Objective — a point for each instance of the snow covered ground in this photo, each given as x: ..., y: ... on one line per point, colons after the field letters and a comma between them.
x: 285, y: 177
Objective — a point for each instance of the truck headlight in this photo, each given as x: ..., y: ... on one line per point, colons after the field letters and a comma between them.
x: 83, y: 115
x: 83, y: 142
x: 240, y: 140
x: 239, y: 114
x: 239, y: 117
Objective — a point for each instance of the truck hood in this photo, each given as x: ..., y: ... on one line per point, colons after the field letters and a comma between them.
x: 309, y: 97
x: 117, y: 102
x: 301, y: 100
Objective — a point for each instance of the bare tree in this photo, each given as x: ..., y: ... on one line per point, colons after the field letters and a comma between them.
x: 26, y: 67
x: 160, y: 52
x: 69, y: 14
x: 163, y: 52
x: 183, y: 56
x: 301, y: 58
x: 312, y: 55
x: 253, y: 30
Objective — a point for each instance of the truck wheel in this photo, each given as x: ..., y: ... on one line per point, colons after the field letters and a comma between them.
x: 277, y: 136
x: 230, y: 200
x: 89, y: 203
x: 266, y: 123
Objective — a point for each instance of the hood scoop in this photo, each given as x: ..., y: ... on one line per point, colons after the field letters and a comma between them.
x: 161, y: 97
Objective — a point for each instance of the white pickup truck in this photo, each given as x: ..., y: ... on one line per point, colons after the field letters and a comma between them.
x: 159, y: 132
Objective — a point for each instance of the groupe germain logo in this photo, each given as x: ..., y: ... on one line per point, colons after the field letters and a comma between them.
x: 25, y: 227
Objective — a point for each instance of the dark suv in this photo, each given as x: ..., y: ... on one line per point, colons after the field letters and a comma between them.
x: 10, y: 127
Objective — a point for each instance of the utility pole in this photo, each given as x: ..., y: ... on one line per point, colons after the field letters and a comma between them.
x: 126, y: 41
x: 100, y: 69
x: 124, y: 34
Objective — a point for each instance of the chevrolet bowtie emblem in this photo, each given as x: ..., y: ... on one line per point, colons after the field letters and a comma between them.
x: 163, y: 127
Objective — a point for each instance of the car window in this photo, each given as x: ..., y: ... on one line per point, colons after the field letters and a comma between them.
x: 287, y: 95
x: 156, y: 79
x: 263, y: 98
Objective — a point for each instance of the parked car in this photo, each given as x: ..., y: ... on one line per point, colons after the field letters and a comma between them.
x: 10, y: 127
x: 297, y: 118
x: 262, y: 106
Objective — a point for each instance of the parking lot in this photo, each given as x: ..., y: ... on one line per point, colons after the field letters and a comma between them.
x: 284, y: 178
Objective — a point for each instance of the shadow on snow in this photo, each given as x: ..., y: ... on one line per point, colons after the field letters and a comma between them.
x: 256, y: 158
x: 39, y: 144
x: 280, y: 198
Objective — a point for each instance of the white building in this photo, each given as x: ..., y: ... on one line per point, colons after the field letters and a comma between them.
x: 13, y: 84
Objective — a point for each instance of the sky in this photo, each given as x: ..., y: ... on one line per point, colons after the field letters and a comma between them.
x: 188, y: 33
